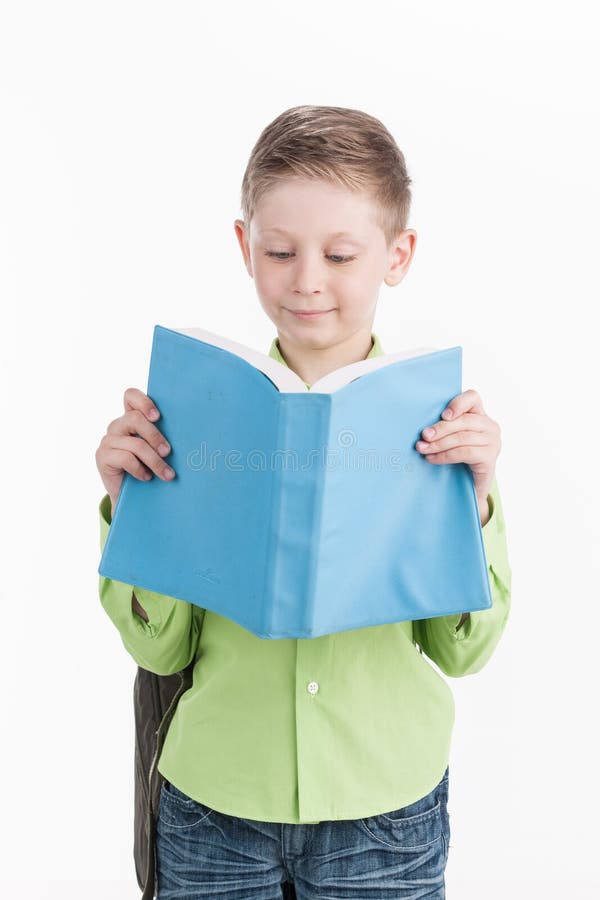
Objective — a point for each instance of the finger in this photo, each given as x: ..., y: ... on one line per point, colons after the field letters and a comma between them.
x: 124, y: 461
x: 133, y: 398
x: 468, y: 401
x: 472, y: 455
x: 135, y: 422
x: 123, y: 447
x: 453, y: 440
x: 467, y: 422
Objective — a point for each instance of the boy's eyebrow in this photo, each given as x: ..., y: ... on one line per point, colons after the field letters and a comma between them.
x: 337, y: 234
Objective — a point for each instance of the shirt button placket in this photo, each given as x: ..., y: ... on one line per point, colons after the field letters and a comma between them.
x: 312, y: 738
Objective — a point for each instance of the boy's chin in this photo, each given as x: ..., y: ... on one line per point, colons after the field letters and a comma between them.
x: 311, y: 338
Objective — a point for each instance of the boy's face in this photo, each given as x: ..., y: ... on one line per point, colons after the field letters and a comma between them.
x: 299, y: 262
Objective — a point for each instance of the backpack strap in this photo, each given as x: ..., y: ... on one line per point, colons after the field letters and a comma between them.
x: 155, y: 781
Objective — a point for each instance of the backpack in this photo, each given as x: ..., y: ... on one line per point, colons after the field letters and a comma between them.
x: 155, y: 699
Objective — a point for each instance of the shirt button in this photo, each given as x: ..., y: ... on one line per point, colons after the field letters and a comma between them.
x: 313, y: 687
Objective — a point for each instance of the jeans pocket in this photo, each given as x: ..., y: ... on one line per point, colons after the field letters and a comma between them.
x: 410, y: 827
x: 177, y: 810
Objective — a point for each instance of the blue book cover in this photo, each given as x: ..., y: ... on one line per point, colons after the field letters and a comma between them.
x: 295, y: 512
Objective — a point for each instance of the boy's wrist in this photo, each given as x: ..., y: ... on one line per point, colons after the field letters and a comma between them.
x: 484, y: 510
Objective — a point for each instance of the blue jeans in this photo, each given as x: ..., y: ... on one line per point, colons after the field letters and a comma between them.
x: 202, y: 853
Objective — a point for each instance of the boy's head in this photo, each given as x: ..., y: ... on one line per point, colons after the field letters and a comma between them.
x: 325, y: 200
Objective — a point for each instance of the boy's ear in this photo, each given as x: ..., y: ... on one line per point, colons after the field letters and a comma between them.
x: 240, y: 229
x: 401, y: 254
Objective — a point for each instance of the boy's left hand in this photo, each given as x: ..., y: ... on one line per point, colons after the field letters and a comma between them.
x: 469, y: 436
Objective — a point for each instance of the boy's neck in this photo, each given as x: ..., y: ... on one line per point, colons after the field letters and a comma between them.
x: 311, y: 364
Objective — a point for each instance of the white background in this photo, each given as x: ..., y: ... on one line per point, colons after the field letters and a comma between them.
x: 126, y: 129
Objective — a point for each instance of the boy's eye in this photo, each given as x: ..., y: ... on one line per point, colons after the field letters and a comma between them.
x: 335, y: 257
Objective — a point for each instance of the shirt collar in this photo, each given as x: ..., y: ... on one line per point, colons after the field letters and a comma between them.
x: 376, y: 350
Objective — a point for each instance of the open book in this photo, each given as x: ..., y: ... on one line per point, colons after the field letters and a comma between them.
x: 296, y: 512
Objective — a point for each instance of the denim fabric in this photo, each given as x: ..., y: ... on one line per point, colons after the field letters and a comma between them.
x: 203, y: 853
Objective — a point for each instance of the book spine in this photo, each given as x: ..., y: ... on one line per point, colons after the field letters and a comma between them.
x: 299, y: 468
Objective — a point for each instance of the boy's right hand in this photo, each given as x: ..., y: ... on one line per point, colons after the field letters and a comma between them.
x: 133, y: 444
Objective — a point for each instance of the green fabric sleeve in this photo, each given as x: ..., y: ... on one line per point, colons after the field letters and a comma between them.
x: 466, y: 650
x: 168, y: 641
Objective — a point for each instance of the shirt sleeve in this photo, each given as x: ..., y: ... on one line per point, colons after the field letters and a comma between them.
x: 168, y: 641
x: 467, y: 650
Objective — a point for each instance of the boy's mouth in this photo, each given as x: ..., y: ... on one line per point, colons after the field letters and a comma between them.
x: 312, y: 314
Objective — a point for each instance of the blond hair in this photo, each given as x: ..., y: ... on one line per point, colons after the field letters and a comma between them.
x: 346, y: 146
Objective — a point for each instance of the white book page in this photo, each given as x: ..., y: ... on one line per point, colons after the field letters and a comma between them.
x: 288, y: 381
x: 333, y: 381
x: 285, y: 379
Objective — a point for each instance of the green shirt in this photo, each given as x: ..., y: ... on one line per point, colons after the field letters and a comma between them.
x: 302, y: 730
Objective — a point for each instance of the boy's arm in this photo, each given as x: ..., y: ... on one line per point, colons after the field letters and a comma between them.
x: 466, y: 649
x: 167, y: 640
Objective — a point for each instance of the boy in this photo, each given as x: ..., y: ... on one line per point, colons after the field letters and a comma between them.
x: 323, y: 762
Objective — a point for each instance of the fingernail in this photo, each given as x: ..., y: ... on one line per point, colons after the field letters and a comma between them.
x: 169, y: 472
x: 428, y: 432
x: 163, y: 449
x: 447, y: 414
x: 153, y: 413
